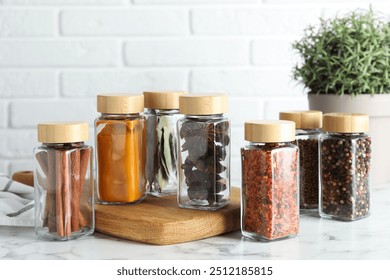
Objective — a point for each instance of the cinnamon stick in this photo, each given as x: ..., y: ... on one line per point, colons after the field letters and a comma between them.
x: 50, y: 207
x: 85, y: 156
x: 59, y: 190
x: 75, y: 189
x: 66, y: 194
x: 84, y: 162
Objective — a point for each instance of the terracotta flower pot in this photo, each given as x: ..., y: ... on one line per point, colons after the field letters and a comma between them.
x: 378, y: 108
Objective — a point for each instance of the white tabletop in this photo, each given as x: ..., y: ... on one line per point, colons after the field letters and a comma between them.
x: 318, y: 238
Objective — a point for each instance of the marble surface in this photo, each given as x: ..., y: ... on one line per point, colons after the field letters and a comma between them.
x: 318, y: 239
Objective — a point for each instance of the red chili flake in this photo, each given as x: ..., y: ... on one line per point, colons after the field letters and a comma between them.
x: 270, y: 191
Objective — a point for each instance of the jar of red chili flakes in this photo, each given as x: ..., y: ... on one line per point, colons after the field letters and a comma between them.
x: 270, y: 178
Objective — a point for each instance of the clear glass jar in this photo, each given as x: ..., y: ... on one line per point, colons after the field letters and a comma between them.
x: 63, y: 182
x: 162, y: 114
x: 345, y: 163
x: 270, y: 181
x: 204, y: 162
x: 120, y: 149
x: 308, y: 131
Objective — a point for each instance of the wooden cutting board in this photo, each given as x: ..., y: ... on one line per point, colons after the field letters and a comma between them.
x: 161, y: 221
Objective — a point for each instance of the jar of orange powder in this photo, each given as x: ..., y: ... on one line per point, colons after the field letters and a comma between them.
x: 120, y: 149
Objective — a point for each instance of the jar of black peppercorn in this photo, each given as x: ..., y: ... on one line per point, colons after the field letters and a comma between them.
x: 270, y: 181
x: 345, y: 163
x: 204, y: 158
x: 308, y: 130
x: 162, y: 114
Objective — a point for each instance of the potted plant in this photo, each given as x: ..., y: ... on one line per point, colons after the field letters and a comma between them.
x: 345, y: 67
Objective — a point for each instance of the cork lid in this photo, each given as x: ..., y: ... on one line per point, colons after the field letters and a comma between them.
x: 120, y: 104
x: 303, y: 119
x: 270, y: 131
x: 62, y: 132
x: 345, y: 122
x: 203, y: 104
x: 162, y: 99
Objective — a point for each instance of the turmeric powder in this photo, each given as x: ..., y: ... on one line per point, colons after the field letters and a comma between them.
x: 121, y: 153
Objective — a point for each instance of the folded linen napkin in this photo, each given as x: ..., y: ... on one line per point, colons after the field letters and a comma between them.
x: 16, y: 203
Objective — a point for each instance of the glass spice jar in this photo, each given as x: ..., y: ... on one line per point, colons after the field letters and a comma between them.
x: 162, y: 114
x: 120, y: 149
x: 345, y: 163
x: 204, y: 161
x: 270, y: 181
x: 308, y: 126
x: 63, y: 182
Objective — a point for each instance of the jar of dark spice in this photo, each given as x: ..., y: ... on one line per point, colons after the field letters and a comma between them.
x: 270, y: 168
x: 345, y: 163
x: 308, y: 126
x: 63, y: 182
x: 162, y: 114
x: 205, y: 152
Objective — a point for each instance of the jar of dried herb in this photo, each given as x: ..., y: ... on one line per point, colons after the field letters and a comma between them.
x: 120, y: 149
x: 308, y: 126
x: 162, y: 114
x: 204, y: 162
x: 345, y: 163
x: 63, y: 182
x: 270, y: 180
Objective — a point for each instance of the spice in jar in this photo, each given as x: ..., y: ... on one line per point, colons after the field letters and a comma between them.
x: 345, y: 163
x: 205, y: 152
x: 308, y: 130
x: 270, y: 167
x: 120, y: 149
x: 162, y: 114
x: 63, y: 182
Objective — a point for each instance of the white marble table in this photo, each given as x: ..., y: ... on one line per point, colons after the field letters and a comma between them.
x: 318, y: 239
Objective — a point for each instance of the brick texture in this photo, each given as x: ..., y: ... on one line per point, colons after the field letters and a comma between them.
x: 125, y: 22
x: 28, y: 84
x: 25, y: 23
x: 81, y: 83
x: 58, y: 53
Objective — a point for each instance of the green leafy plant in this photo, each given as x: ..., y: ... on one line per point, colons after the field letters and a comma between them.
x: 345, y: 55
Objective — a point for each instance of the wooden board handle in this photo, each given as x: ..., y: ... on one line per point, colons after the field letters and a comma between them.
x: 24, y: 177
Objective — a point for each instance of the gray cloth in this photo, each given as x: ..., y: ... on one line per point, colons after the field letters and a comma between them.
x: 16, y: 203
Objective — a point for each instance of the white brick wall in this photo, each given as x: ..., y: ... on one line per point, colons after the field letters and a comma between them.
x: 56, y: 55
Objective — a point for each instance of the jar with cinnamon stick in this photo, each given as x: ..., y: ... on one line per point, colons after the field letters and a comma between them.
x: 270, y: 180
x: 63, y: 182
x: 120, y: 149
x: 345, y: 164
x: 204, y: 162
x: 308, y: 131
x: 162, y: 114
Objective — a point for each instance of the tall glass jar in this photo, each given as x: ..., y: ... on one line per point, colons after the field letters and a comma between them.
x: 270, y: 181
x: 308, y: 126
x: 345, y: 163
x: 120, y: 149
x: 162, y: 114
x: 63, y: 182
x: 204, y: 161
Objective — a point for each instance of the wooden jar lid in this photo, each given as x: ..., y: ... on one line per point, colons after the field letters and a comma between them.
x: 269, y: 131
x: 63, y: 132
x: 120, y: 104
x: 303, y: 119
x: 162, y: 99
x: 203, y: 104
x: 345, y: 122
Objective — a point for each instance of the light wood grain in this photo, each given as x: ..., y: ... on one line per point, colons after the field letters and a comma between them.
x: 160, y: 220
